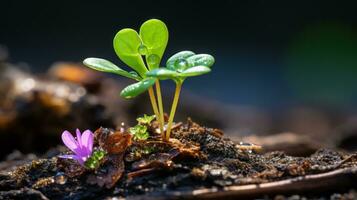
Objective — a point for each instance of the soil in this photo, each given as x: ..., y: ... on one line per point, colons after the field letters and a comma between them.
x: 197, y: 163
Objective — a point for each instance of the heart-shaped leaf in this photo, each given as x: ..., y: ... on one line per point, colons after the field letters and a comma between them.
x: 154, y: 35
x: 195, y: 71
x: 126, y: 44
x: 163, y: 73
x: 174, y: 61
x: 200, y: 60
x: 135, y: 89
x: 103, y: 65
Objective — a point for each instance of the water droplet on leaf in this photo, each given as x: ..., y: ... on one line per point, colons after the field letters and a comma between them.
x: 143, y: 50
x: 153, y: 59
x: 60, y: 178
x: 181, y: 64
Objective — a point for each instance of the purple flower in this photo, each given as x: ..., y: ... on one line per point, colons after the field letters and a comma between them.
x: 82, y: 146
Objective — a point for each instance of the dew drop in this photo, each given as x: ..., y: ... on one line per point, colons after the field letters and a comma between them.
x: 60, y: 178
x: 181, y: 64
x: 143, y: 50
x: 153, y: 59
x: 122, y: 127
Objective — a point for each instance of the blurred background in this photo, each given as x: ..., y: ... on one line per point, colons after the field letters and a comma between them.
x: 281, y: 66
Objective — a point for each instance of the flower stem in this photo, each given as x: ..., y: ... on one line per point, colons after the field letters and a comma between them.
x: 173, y: 109
x: 161, y: 109
x: 153, y: 103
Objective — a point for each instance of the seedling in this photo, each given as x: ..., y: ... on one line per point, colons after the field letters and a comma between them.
x: 142, y: 52
x: 146, y: 119
x: 179, y: 67
x: 133, y: 48
x: 139, y: 131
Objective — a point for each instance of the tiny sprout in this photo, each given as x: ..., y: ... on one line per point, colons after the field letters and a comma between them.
x: 139, y: 132
x: 143, y: 52
x: 146, y: 119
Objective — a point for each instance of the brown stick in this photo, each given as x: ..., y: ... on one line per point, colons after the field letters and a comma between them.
x: 317, y: 183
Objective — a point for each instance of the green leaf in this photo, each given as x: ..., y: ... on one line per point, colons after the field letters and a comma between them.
x: 126, y: 44
x: 200, y: 60
x: 173, y: 62
x: 154, y: 35
x: 195, y: 71
x: 107, y: 66
x: 162, y: 73
x: 146, y: 119
x: 139, y: 132
x: 135, y: 89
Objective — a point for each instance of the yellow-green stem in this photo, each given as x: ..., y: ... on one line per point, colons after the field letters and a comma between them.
x: 153, y: 102
x: 161, y: 109
x: 173, y: 110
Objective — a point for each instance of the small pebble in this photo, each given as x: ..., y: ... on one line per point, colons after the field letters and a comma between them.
x: 60, y: 178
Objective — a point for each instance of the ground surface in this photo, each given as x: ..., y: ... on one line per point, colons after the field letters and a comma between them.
x: 198, y: 162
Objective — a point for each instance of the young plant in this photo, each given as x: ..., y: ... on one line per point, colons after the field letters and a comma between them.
x: 179, y: 67
x: 139, y: 131
x: 141, y: 52
x: 146, y: 119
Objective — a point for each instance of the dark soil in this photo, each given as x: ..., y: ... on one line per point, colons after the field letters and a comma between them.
x: 198, y: 162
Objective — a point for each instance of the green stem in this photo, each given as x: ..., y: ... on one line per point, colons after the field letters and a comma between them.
x: 161, y: 109
x: 173, y: 110
x: 153, y: 103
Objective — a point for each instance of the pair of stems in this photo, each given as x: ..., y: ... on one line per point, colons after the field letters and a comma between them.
x: 159, y: 110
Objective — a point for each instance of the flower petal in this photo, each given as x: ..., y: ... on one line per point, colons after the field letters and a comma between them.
x: 79, y: 136
x: 87, y: 141
x: 69, y: 141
